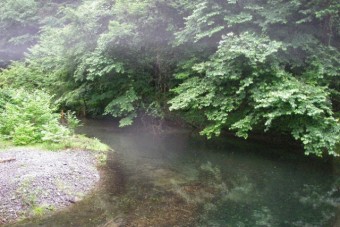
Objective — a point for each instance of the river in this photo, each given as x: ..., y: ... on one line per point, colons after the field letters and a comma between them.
x: 181, y: 179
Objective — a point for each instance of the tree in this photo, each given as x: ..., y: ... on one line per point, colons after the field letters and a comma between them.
x: 21, y: 22
x: 239, y: 65
x: 273, y: 66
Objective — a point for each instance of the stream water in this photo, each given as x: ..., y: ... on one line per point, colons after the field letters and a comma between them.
x: 180, y: 179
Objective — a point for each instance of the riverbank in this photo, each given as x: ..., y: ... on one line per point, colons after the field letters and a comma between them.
x: 35, y: 182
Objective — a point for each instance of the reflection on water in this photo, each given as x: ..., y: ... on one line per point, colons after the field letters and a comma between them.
x: 178, y: 179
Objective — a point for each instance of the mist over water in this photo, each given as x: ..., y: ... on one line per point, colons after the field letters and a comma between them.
x: 181, y: 179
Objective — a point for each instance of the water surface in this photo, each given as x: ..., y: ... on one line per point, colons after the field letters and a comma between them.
x: 180, y: 179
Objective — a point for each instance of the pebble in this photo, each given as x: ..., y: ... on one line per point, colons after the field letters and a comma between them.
x: 45, y: 177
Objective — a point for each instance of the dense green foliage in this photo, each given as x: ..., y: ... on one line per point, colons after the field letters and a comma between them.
x: 236, y: 65
x: 28, y: 118
x: 274, y: 68
x: 20, y: 23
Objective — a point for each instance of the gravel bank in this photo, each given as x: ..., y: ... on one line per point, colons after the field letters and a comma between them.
x: 33, y: 182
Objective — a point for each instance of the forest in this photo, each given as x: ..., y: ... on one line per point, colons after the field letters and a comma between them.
x: 242, y: 66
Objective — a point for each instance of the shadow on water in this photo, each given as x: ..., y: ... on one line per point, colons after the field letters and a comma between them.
x: 181, y: 179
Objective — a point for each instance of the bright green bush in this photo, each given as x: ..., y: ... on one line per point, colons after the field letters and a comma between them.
x: 4, y: 98
x: 28, y: 117
x: 24, y: 133
x: 54, y: 132
x: 72, y: 121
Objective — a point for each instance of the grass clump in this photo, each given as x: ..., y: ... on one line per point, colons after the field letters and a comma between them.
x: 80, y: 142
x: 42, y: 210
x: 5, y: 144
x: 76, y: 142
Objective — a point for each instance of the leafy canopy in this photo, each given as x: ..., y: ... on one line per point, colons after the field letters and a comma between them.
x: 240, y: 65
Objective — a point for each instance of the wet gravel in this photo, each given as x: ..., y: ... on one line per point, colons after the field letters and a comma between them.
x: 32, y: 181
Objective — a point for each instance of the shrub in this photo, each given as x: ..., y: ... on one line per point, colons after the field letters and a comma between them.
x: 28, y: 117
x: 24, y: 133
x: 4, y: 98
x: 72, y: 121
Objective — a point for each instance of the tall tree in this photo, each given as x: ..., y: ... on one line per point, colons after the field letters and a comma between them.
x: 274, y: 65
